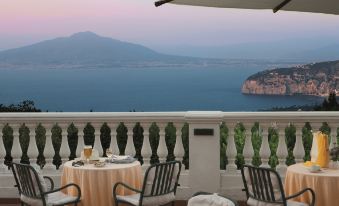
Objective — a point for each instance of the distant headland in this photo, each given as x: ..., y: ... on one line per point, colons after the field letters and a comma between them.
x: 317, y: 79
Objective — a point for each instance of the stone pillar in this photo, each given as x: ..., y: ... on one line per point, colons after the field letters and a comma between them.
x: 204, y: 151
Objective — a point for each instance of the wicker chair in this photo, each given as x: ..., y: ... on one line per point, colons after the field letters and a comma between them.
x: 263, y: 187
x: 159, y: 186
x: 33, y: 189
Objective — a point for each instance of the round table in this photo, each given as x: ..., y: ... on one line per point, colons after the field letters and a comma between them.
x: 324, y: 183
x: 97, y: 183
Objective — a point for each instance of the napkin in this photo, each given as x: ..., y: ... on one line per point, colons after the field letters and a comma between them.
x: 124, y: 159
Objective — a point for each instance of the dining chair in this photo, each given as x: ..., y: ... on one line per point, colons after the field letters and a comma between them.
x: 159, y: 186
x: 263, y: 186
x: 34, y: 191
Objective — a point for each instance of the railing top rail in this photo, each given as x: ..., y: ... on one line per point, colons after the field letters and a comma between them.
x: 282, y: 116
x: 167, y: 116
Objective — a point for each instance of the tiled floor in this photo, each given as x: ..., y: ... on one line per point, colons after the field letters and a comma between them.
x: 15, y: 202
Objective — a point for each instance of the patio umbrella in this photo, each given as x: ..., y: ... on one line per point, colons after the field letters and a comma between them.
x: 315, y: 6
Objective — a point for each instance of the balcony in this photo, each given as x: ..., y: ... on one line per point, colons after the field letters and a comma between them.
x: 211, y: 145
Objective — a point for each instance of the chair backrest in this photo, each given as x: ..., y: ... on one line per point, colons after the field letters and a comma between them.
x: 28, y: 181
x: 161, y: 179
x: 263, y: 185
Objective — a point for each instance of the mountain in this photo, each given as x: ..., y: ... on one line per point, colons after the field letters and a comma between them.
x: 317, y: 79
x: 304, y: 50
x: 87, y: 50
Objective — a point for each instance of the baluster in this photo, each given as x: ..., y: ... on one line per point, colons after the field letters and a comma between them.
x: 265, y: 148
x: 162, y: 149
x: 16, y: 151
x: 97, y: 142
x: 3, y: 167
x: 298, y: 150
x: 179, y: 147
x: 130, y: 145
x: 64, y: 149
x: 81, y: 142
x: 231, y: 150
x: 248, y: 149
x: 282, y: 151
x: 146, y: 147
x: 114, y: 143
x: 32, y: 149
x: 49, y: 151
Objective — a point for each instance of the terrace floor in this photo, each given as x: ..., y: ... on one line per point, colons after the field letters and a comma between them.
x: 15, y: 202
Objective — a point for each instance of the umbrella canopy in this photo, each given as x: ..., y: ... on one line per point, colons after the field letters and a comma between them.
x: 315, y: 6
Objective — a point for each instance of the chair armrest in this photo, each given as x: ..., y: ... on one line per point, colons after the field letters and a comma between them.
x: 50, y: 181
x: 301, y: 192
x: 124, y: 185
x: 64, y: 187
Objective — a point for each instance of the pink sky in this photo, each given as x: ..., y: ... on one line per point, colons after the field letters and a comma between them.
x: 28, y: 21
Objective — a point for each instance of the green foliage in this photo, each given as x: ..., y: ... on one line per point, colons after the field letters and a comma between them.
x: 89, y: 136
x: 138, y: 140
x: 329, y: 104
x: 40, y: 140
x: 290, y: 138
x: 326, y: 129
x: 170, y: 139
x: 24, y: 143
x: 223, y: 145
x: 154, y: 138
x: 24, y: 106
x: 239, y: 138
x: 122, y: 138
x: 105, y: 138
x: 185, y: 143
x: 256, y: 139
x: 56, y: 141
x: 307, y: 137
x: 273, y: 140
x: 7, y: 138
x: 72, y: 138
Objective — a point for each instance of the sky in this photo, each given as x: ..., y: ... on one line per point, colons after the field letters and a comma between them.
x: 29, y: 21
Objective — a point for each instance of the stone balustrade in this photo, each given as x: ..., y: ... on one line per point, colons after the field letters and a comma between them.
x: 212, y: 145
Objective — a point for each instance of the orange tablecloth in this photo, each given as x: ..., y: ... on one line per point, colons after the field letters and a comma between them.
x: 324, y: 183
x: 97, y: 183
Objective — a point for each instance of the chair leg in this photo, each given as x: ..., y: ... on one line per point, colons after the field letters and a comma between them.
x: 172, y: 203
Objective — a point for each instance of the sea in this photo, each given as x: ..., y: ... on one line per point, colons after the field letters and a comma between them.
x: 139, y: 89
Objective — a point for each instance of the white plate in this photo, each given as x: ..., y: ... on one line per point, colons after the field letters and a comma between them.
x: 99, y: 164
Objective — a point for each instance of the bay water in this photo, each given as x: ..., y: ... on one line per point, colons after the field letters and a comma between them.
x: 139, y: 89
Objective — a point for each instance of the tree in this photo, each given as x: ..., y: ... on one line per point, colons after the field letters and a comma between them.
x: 329, y: 104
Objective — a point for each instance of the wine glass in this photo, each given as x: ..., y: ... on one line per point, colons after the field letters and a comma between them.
x: 109, y: 153
x: 87, y: 152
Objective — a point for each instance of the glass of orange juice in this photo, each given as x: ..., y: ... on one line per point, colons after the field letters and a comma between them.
x: 88, y: 152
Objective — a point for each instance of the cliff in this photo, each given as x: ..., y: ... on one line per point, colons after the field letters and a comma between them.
x: 312, y: 79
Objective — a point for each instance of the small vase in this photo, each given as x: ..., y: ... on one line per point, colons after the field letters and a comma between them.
x: 332, y: 164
